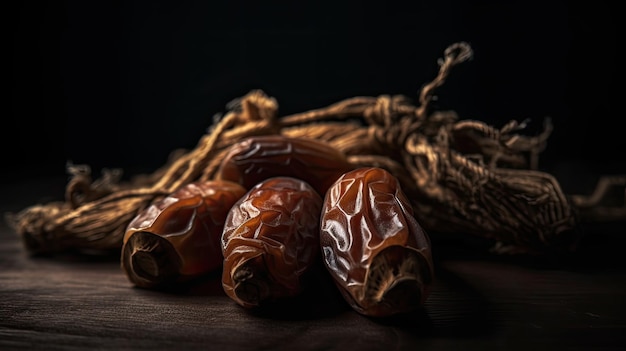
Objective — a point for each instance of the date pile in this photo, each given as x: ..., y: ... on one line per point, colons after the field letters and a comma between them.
x: 263, y: 197
x: 275, y: 207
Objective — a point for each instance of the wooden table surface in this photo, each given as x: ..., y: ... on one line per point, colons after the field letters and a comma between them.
x: 478, y: 302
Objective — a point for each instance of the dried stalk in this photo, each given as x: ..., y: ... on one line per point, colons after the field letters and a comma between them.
x: 462, y: 176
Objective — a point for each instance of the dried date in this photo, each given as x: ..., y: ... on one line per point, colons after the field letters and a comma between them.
x: 178, y: 237
x: 257, y: 158
x: 270, y: 241
x: 377, y: 253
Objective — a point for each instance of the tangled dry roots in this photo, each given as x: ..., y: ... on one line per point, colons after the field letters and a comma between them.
x: 462, y: 176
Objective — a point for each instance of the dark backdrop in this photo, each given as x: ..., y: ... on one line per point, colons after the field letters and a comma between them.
x: 120, y: 84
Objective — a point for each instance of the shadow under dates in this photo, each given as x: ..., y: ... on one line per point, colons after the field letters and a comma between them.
x: 456, y: 309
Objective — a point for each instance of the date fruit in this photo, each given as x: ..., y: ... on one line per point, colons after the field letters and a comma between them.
x: 270, y: 241
x: 376, y: 252
x: 257, y: 158
x: 178, y: 237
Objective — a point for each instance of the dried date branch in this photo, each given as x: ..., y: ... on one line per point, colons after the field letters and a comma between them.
x: 461, y: 176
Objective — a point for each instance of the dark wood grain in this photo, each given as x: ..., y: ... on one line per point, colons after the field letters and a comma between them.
x: 478, y: 302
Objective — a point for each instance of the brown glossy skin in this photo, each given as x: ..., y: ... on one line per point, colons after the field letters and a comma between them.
x: 257, y: 158
x: 188, y: 225
x: 270, y: 240
x: 366, y: 218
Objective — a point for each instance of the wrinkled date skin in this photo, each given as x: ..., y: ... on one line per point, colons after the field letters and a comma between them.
x: 178, y: 237
x: 257, y: 158
x: 378, y: 255
x: 270, y: 240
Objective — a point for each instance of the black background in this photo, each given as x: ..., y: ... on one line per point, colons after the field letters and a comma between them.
x: 120, y: 84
